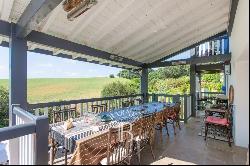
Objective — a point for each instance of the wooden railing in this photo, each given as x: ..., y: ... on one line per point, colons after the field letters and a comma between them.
x: 28, y: 138
x: 84, y: 105
x: 209, y: 96
x: 219, y: 46
x: 110, y: 103
x: 185, y: 100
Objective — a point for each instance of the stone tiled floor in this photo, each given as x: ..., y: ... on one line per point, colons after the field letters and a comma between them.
x: 189, y: 148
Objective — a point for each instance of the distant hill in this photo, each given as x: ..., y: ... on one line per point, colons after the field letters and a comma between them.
x: 55, y: 89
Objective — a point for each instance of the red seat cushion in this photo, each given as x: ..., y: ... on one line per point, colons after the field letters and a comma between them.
x: 217, y: 121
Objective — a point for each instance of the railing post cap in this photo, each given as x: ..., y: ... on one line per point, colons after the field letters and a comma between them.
x: 15, y: 105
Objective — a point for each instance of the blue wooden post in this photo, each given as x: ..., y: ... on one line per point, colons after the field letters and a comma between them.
x: 185, y: 109
x: 17, y: 85
x: 42, y: 132
x: 193, y: 88
x: 18, y: 72
x: 144, y: 84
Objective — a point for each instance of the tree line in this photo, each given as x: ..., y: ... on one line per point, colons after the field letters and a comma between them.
x: 168, y: 80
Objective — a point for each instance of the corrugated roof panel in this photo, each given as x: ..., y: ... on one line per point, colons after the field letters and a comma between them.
x: 5, y: 9
x: 142, y: 30
x: 11, y: 10
x: 174, y: 31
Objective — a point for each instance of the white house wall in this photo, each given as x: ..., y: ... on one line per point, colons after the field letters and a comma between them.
x: 240, y: 73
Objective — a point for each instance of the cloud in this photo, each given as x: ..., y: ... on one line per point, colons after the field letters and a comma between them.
x: 91, y: 70
x: 2, y: 68
x: 46, y: 65
x: 71, y: 74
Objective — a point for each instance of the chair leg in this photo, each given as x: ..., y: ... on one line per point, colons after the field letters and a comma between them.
x: 206, y: 130
x: 166, y: 125
x: 52, y: 152
x: 160, y: 132
x: 65, y: 156
x: 138, y: 152
x: 151, y: 149
x: 129, y: 161
x: 174, y: 128
x: 229, y: 136
x: 178, y: 122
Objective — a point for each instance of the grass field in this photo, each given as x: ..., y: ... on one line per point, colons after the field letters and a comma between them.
x: 48, y: 90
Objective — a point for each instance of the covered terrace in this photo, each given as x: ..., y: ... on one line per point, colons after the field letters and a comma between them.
x: 135, y: 35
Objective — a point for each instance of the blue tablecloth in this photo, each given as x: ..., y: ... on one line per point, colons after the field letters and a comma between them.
x: 134, y: 112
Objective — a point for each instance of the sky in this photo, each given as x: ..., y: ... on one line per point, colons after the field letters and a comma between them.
x: 46, y: 66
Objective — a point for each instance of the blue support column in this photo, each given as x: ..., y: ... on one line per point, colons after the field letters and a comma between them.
x: 144, y: 84
x: 18, y: 72
x: 17, y: 85
x: 193, y: 89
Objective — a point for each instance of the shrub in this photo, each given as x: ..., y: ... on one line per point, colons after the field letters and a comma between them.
x: 118, y: 89
x: 111, y: 76
x: 170, y: 86
x: 4, y: 107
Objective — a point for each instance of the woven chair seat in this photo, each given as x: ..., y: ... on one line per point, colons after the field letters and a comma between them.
x: 217, y: 121
x: 115, y: 157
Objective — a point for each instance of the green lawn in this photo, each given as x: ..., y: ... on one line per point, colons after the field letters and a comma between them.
x: 48, y: 90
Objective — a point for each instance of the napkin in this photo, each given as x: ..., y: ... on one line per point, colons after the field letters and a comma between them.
x: 68, y: 124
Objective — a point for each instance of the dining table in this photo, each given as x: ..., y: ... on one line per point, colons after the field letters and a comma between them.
x: 91, y: 124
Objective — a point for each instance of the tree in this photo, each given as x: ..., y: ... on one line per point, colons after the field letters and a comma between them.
x: 111, y: 76
x: 170, y: 72
x: 4, y: 107
x: 170, y: 86
x: 128, y: 74
x: 212, y: 82
x: 118, y: 89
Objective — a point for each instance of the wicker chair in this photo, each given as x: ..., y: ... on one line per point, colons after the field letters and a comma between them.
x: 146, y: 135
x: 59, y: 115
x: 219, y: 122
x: 173, y: 117
x: 99, y: 108
x: 221, y: 118
x: 119, y: 148
x: 159, y: 122
x: 64, y: 113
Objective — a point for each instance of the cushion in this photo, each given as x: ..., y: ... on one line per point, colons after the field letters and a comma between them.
x: 217, y: 120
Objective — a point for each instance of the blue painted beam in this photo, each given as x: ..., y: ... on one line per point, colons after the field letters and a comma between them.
x: 187, y: 48
x: 32, y: 16
x: 194, y: 60
x: 51, y: 41
x: 5, y: 28
x: 234, y: 5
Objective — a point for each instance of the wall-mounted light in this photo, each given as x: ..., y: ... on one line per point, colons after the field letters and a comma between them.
x: 227, y: 69
x: 75, y: 8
